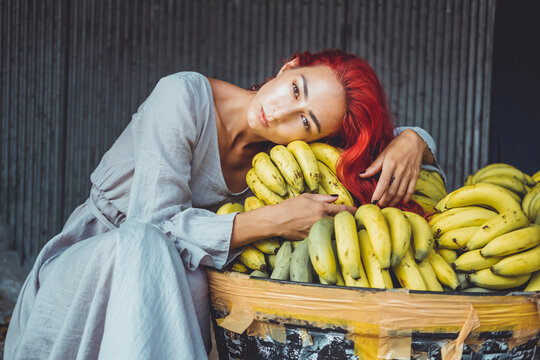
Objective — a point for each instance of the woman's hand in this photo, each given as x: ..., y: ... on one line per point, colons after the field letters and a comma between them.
x: 290, y: 219
x: 399, y: 164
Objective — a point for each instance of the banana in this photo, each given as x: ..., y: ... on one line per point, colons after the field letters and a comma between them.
x: 486, y: 279
x: 468, y: 180
x: 530, y: 181
x: 348, y: 249
x: 496, y: 226
x: 252, y: 203
x: 307, y: 161
x: 301, y: 269
x: 291, y: 192
x: 371, y: 218
x: 400, y: 233
x: 483, y: 194
x: 370, y: 262
x: 422, y: 237
x: 340, y: 280
x: 435, y: 178
x: 239, y: 267
x: 468, y: 216
x: 252, y: 258
x: 408, y: 274
x: 506, y: 181
x: 230, y: 208
x: 258, y: 273
x: 327, y: 154
x: 528, y: 198
x: 463, y: 282
x: 426, y: 203
x: 512, y: 242
x: 260, y: 190
x: 288, y: 167
x: 534, y: 283
x: 361, y: 281
x: 268, y: 173
x: 429, y: 277
x: 332, y: 185
x: 536, y: 177
x: 321, y: 190
x: 456, y: 239
x: 268, y: 246
x: 321, y: 253
x: 271, y: 261
x: 500, y: 170
x: 533, y: 206
x: 283, y: 262
x: 474, y: 261
x: 388, y: 283
x: 445, y: 274
x: 441, y: 205
x: 429, y: 189
x: 448, y: 255
x: 525, y: 262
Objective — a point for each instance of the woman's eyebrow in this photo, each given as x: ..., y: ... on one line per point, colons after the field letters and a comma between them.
x: 313, y: 117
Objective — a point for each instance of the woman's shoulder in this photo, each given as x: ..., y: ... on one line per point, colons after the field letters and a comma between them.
x: 186, y: 81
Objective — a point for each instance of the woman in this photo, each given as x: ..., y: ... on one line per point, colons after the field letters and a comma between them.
x: 111, y: 284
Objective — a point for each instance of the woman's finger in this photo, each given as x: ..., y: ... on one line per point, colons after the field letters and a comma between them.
x: 374, y: 168
x: 391, y: 191
x: 334, y: 209
x: 382, y: 184
x: 403, y: 186
x: 410, y: 190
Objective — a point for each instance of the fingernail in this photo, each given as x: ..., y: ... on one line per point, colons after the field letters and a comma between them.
x: 374, y: 202
x: 335, y: 195
x: 363, y: 172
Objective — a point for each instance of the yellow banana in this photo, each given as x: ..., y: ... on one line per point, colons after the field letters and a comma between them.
x: 500, y: 170
x: 332, y: 185
x: 536, y: 177
x: 252, y: 203
x: 530, y: 181
x: 239, y: 267
x: 483, y: 194
x: 441, y: 205
x: 429, y: 277
x: 456, y: 239
x: 370, y: 262
x: 408, y: 274
x: 283, y: 262
x: 301, y: 269
x: 327, y: 154
x: 230, y: 208
x: 371, y: 218
x: 426, y: 203
x: 473, y: 261
x: 486, y: 279
x: 429, y: 189
x: 533, y: 206
x: 448, y: 255
x: 388, y: 283
x: 268, y: 173
x: 400, y: 233
x: 512, y: 242
x: 252, y: 258
x: 496, y: 226
x: 291, y: 192
x: 360, y: 281
x: 320, y: 249
x: 525, y: 262
x: 348, y: 249
x: 528, y: 198
x: 288, y: 167
x: 445, y: 274
x: 307, y: 161
x: 267, y: 246
x: 506, y: 181
x: 321, y: 190
x: 435, y: 178
x: 468, y: 216
x: 262, y: 191
x: 534, y: 283
x: 422, y: 237
x: 271, y: 261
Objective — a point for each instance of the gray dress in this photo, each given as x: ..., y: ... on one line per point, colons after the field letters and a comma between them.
x: 123, y: 278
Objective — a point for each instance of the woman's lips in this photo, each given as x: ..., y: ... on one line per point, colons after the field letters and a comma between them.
x: 262, y: 118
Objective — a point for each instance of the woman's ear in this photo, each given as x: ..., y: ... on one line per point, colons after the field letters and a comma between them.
x: 290, y: 65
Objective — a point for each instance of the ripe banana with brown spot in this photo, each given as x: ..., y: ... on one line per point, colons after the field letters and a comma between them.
x: 506, y: 181
x: 230, y: 208
x: 456, y: 239
x: 262, y: 191
x: 426, y: 203
x: 332, y: 185
x: 468, y: 216
x: 525, y: 262
x: 348, y: 249
x: 496, y: 226
x: 287, y: 165
x: 486, y: 279
x: 252, y: 203
x: 408, y: 274
x: 268, y: 246
x: 422, y: 236
x: 252, y: 258
x: 321, y: 253
x: 430, y: 279
x: 268, y: 173
x: 307, y: 161
x: 512, y: 242
x: 444, y: 272
x: 429, y: 189
x: 473, y: 261
x: 482, y: 194
x: 370, y: 262
x: 499, y: 169
x: 371, y: 218
x: 400, y: 233
x: 325, y: 153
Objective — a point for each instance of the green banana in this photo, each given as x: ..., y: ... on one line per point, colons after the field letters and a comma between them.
x: 320, y: 249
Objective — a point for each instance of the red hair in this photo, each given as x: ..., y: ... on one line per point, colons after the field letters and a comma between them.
x: 367, y: 127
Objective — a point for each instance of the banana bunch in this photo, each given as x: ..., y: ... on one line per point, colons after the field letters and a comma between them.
x: 294, y: 169
x: 430, y: 189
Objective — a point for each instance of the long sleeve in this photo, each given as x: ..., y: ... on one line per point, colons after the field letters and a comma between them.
x: 430, y: 144
x: 165, y: 136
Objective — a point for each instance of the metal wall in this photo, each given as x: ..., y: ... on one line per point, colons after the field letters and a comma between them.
x: 73, y: 72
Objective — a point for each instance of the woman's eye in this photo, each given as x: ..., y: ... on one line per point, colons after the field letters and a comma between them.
x: 306, y: 123
x: 295, y: 90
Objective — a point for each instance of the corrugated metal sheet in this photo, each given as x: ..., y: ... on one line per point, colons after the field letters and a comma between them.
x: 73, y: 72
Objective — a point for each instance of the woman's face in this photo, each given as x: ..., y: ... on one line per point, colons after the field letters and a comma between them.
x: 306, y: 103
